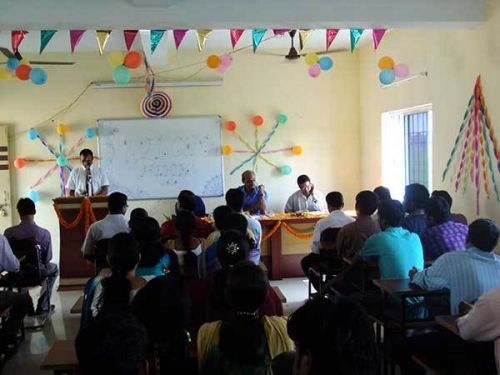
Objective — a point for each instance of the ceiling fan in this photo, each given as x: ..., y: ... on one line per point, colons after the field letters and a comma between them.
x: 7, y: 53
x: 293, y: 54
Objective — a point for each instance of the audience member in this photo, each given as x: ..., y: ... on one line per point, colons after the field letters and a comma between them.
x: 307, y: 198
x: 254, y: 197
x: 467, y: 274
x: 220, y: 214
x: 383, y: 194
x: 136, y: 215
x: 441, y: 235
x: 458, y: 218
x: 28, y: 229
x: 199, y: 206
x: 415, y: 199
x: 245, y: 342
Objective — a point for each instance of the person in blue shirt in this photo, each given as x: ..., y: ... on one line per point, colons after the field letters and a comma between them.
x: 415, y: 199
x: 255, y: 197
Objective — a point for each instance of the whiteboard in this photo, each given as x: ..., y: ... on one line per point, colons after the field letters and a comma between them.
x: 157, y: 158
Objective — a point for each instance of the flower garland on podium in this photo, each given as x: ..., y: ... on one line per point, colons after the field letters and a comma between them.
x: 86, y: 213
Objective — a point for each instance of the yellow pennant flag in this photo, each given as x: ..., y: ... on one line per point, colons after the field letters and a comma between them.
x: 202, y: 35
x: 102, y: 37
x: 303, y: 36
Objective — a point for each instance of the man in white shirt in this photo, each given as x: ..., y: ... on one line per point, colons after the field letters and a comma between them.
x: 88, y: 179
x: 306, y: 198
x: 113, y: 223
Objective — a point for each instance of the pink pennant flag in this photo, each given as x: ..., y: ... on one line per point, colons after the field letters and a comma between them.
x: 75, y: 36
x: 280, y: 31
x: 129, y: 36
x: 179, y: 36
x: 377, y: 36
x: 331, y: 34
x: 235, y: 36
x: 16, y: 37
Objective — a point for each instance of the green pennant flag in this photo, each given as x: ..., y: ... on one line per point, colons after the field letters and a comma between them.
x: 155, y: 38
x: 45, y: 37
x: 257, y: 36
x: 355, y: 36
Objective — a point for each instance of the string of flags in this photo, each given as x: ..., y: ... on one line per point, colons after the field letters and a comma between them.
x: 102, y: 36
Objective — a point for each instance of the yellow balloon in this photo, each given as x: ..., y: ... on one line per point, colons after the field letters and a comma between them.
x: 116, y: 58
x: 297, y: 150
x: 311, y: 58
x: 4, y: 73
x: 24, y: 62
x: 386, y: 62
x: 226, y: 150
x: 61, y: 129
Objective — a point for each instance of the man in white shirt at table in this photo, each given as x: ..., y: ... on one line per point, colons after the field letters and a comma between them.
x: 88, y: 179
x: 307, y: 198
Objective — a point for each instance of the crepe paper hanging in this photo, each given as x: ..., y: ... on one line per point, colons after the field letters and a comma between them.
x: 471, y: 149
x: 102, y: 37
x: 355, y: 37
x: 45, y: 37
x: 155, y: 38
x: 331, y: 34
x: 16, y: 37
x: 303, y: 36
x: 280, y: 31
x: 179, y: 37
x: 129, y: 37
x: 377, y: 35
x: 235, y: 36
x: 75, y: 36
x: 257, y: 35
x: 201, y: 37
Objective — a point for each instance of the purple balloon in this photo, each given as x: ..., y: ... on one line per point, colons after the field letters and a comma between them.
x: 314, y: 70
x: 401, y: 70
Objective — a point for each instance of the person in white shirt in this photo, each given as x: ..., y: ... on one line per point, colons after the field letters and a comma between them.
x: 307, y: 198
x: 88, y: 179
x: 113, y: 223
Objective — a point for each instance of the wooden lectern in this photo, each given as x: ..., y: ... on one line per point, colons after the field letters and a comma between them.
x: 75, y: 214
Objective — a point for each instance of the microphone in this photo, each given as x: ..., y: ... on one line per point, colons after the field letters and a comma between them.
x: 88, y: 177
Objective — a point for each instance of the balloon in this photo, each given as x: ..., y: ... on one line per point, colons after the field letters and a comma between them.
x: 226, y: 59
x: 115, y: 59
x: 132, y: 60
x: 297, y: 150
x: 282, y: 119
x: 19, y: 163
x: 231, y: 126
x: 34, y: 196
x: 32, y: 134
x: 62, y: 161
x: 222, y: 69
x: 401, y: 70
x: 325, y: 63
x: 386, y: 62
x: 61, y: 129
x: 213, y: 61
x: 387, y: 76
x: 226, y: 150
x: 311, y: 58
x: 4, y: 74
x: 12, y: 64
x: 257, y: 120
x: 314, y: 70
x: 90, y: 133
x: 121, y: 75
x: 38, y: 76
x: 285, y: 170
x: 23, y: 72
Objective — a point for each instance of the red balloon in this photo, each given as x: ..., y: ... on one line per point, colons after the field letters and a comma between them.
x: 23, y: 72
x: 257, y: 120
x: 132, y: 60
x: 231, y: 126
x: 19, y: 163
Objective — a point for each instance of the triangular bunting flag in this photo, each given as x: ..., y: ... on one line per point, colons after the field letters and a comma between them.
x: 45, y: 37
x: 355, y: 36
x: 102, y: 37
x: 129, y: 36
x: 280, y: 31
x: 179, y: 36
x: 331, y: 34
x: 74, y: 37
x: 201, y: 36
x: 159, y: 58
x: 155, y: 38
x: 257, y: 36
x: 377, y: 36
x: 235, y: 35
x: 303, y: 36
x: 16, y: 37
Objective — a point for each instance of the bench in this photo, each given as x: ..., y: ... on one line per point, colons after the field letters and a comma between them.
x: 77, y: 307
x: 280, y: 295
x: 61, y: 358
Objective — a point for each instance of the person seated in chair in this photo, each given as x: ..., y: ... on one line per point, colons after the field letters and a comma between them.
x: 457, y: 218
x: 415, y: 199
x: 28, y: 229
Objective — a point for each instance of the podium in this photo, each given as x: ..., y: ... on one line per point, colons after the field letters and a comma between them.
x: 75, y: 214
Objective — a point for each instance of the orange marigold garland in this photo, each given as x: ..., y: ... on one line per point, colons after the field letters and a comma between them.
x: 86, y: 213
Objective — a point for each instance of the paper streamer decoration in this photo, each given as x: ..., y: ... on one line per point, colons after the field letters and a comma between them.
x: 472, y: 149
x: 155, y: 38
x: 331, y: 34
x: 235, y: 36
x: 201, y: 37
x: 156, y: 104
x: 355, y: 37
x: 179, y: 36
x: 129, y: 37
x: 303, y: 36
x: 45, y: 37
x: 16, y: 37
x: 377, y: 35
x: 74, y: 37
x: 102, y: 37
x: 257, y: 36
x: 280, y: 31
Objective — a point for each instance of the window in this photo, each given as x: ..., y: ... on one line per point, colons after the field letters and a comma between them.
x: 407, y: 149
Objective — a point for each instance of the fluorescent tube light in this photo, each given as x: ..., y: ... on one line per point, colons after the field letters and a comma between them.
x: 141, y: 84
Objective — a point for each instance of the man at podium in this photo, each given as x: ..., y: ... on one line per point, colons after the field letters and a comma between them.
x: 87, y: 180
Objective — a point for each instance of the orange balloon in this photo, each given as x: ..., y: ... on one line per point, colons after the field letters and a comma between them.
x: 231, y: 126
x: 226, y: 150
x: 132, y: 60
x: 19, y: 163
x: 23, y: 72
x: 297, y: 150
x: 386, y: 62
x: 213, y: 61
x: 257, y: 120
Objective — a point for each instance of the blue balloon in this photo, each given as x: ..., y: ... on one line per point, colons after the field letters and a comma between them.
x: 12, y: 64
x: 325, y: 63
x: 32, y: 134
x: 121, y: 75
x: 285, y: 170
x: 90, y: 133
x: 62, y: 161
x: 387, y: 76
x: 38, y: 76
x: 282, y: 119
x: 34, y: 195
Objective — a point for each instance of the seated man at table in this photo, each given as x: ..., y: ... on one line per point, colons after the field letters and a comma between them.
x: 28, y: 229
x: 112, y: 224
x: 307, y: 198
x: 415, y: 199
x: 254, y: 197
x: 467, y: 274
x: 88, y: 180
x: 441, y: 235
x: 457, y: 218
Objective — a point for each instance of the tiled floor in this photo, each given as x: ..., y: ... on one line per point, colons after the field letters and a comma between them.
x: 63, y: 325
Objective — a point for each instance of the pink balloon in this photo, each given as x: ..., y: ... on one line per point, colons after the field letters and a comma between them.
x: 314, y: 70
x: 226, y: 60
x: 222, y: 69
x: 401, y: 70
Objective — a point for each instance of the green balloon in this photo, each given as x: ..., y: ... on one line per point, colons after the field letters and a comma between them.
x: 121, y: 75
